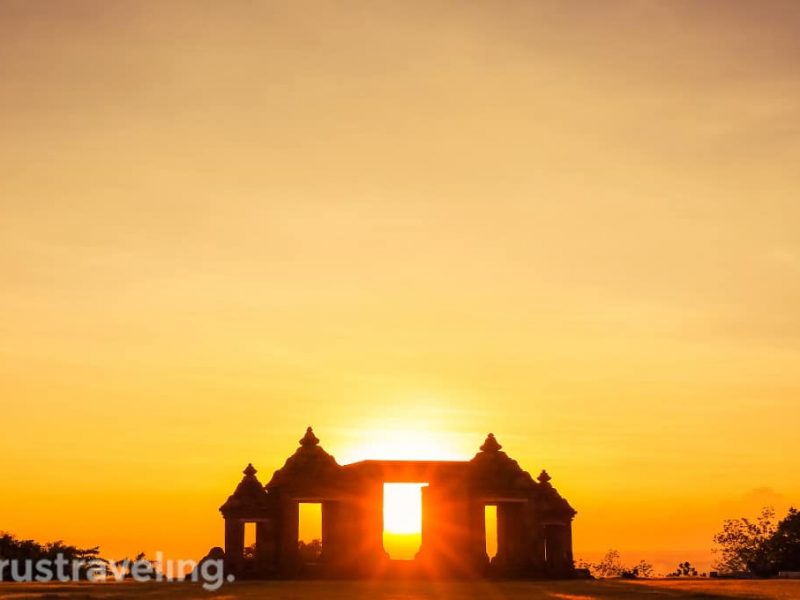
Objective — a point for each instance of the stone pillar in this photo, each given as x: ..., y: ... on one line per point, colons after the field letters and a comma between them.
x: 374, y: 524
x: 505, y: 531
x: 328, y: 536
x: 333, y: 542
x: 234, y: 543
x: 476, y: 523
x: 345, y: 536
x: 266, y: 547
x: 452, y: 546
x: 534, y: 542
x: 364, y: 529
x: 428, y: 529
x: 558, y: 548
x: 511, y: 532
x: 568, y: 546
x: 288, y: 536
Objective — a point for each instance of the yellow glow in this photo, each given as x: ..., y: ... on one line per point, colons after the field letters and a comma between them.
x: 490, y: 515
x: 408, y: 443
x: 401, y: 546
x: 249, y: 534
x: 310, y: 515
x: 402, y: 507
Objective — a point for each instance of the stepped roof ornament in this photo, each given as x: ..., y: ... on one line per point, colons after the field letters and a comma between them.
x: 491, y: 444
x: 309, y: 439
x: 308, y: 466
x: 249, y: 495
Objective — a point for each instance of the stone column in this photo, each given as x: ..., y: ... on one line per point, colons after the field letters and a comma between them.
x: 504, y: 533
x: 346, y: 534
x: 477, y: 537
x: 289, y: 533
x: 511, y: 529
x: 454, y: 543
x: 234, y: 543
x: 568, y: 546
x: 266, y: 546
x: 558, y: 548
x: 535, y: 543
x: 365, y: 528
x: 374, y: 524
x: 428, y: 533
x: 332, y: 541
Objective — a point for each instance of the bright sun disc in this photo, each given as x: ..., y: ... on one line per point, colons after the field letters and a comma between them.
x: 402, y: 507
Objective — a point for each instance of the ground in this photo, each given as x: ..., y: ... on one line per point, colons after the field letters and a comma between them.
x: 410, y: 590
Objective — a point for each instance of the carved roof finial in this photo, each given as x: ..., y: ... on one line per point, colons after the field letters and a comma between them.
x: 249, y: 494
x: 309, y: 439
x: 491, y: 444
x: 544, y: 477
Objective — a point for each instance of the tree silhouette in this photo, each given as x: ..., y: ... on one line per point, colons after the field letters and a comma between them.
x: 309, y: 552
x: 12, y: 548
x: 685, y: 569
x: 143, y: 566
x: 781, y: 552
x: 641, y: 569
x: 741, y: 541
x: 611, y: 565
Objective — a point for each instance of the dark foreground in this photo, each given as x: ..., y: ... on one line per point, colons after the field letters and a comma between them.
x: 414, y: 590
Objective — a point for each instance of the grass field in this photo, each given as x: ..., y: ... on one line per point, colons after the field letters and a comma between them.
x: 412, y: 590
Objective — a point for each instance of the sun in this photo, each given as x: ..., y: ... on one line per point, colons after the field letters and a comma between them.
x: 402, y: 507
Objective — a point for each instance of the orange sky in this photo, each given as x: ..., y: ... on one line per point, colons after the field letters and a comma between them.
x: 573, y: 224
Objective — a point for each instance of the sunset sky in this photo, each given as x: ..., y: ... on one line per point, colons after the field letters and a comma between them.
x: 574, y: 224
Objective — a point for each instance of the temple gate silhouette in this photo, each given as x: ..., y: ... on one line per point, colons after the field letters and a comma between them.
x: 534, y: 523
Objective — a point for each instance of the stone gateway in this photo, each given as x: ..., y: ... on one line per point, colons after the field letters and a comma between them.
x: 534, y: 523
